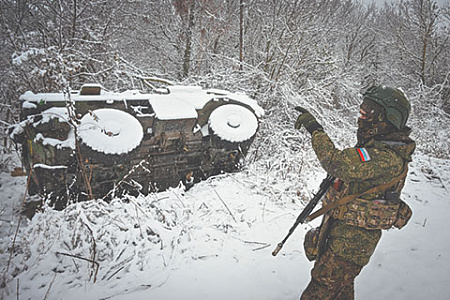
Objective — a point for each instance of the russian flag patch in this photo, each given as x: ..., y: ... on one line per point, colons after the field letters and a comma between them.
x: 363, y: 154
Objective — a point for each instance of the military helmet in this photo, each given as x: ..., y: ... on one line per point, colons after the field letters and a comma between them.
x: 394, y: 101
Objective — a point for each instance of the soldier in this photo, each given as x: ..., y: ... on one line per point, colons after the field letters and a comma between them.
x: 374, y: 173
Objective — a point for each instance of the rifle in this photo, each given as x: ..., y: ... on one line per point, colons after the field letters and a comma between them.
x: 303, y: 217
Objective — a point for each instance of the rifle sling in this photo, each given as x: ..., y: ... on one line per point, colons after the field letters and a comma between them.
x: 348, y: 198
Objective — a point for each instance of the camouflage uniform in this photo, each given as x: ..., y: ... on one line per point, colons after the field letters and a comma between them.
x: 353, y: 230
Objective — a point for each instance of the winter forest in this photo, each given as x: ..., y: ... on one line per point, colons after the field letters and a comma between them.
x: 278, y: 52
x: 321, y: 54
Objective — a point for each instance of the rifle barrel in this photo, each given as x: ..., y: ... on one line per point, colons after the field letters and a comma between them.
x: 324, y: 186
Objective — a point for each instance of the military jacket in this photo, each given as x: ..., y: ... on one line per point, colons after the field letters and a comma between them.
x: 361, y: 168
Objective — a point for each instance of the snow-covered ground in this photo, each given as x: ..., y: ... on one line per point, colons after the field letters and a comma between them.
x: 213, y: 242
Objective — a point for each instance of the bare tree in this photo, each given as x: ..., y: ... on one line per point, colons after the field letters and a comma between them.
x: 415, y: 39
x: 303, y: 43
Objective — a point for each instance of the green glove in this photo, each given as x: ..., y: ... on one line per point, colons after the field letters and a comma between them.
x: 307, y: 120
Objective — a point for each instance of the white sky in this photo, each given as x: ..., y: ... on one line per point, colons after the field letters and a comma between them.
x: 440, y: 2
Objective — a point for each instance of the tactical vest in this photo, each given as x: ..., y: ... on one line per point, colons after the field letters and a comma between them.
x: 379, y: 207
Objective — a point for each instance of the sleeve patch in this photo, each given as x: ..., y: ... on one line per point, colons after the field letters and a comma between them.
x: 363, y: 154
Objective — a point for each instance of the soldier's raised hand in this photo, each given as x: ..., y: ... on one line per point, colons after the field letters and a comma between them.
x: 307, y: 120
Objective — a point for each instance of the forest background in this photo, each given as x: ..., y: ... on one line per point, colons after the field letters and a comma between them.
x: 322, y: 52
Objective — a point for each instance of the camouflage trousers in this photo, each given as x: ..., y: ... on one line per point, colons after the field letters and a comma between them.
x: 347, y: 251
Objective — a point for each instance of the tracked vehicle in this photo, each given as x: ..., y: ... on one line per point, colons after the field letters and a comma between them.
x: 94, y: 143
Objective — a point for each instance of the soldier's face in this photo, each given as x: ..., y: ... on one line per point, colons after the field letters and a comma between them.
x: 368, y: 110
x: 365, y: 113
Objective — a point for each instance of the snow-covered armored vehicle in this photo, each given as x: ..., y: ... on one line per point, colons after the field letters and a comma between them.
x: 94, y: 143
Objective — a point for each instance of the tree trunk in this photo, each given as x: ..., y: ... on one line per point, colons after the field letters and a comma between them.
x: 241, y: 33
x: 189, y: 33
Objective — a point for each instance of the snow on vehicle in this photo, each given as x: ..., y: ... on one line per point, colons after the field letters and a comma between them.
x: 94, y: 143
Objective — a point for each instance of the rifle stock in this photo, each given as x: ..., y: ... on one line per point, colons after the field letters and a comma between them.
x: 303, y: 217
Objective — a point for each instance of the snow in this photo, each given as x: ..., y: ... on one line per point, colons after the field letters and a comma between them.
x: 179, y: 97
x: 110, y: 131
x: 116, y: 132
x: 67, y: 143
x: 59, y: 113
x: 173, y: 109
x: 19, y: 59
x: 233, y: 123
x: 44, y: 166
x: 54, y: 112
x: 28, y: 105
x: 250, y: 102
x: 92, y: 85
x: 214, y: 242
